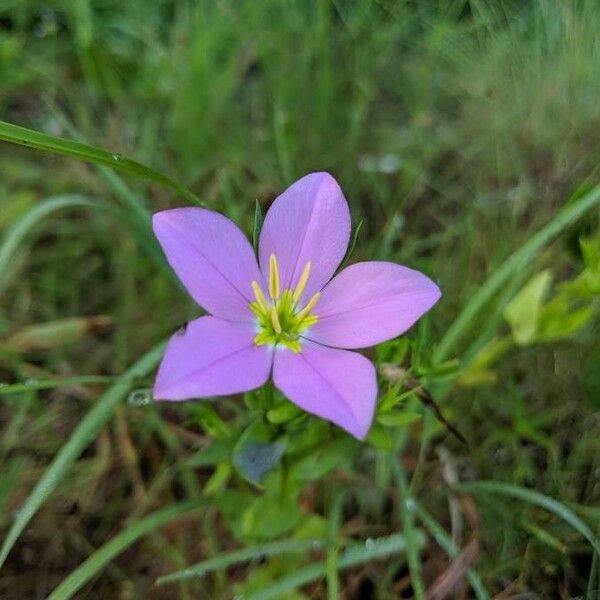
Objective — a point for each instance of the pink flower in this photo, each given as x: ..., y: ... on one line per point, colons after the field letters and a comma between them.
x: 284, y: 315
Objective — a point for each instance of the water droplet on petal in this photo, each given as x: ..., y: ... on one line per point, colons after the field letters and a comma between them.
x: 140, y: 397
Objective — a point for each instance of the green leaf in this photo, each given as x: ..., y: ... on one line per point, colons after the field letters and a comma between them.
x: 398, y: 418
x: 210, y: 421
x: 258, y: 223
x: 218, y: 480
x: 42, y: 141
x: 380, y: 437
x: 101, y: 557
x: 515, y: 263
x: 522, y: 313
x: 352, y: 243
x: 327, y: 457
x: 270, y: 516
x: 255, y: 454
x: 84, y: 433
x: 239, y: 556
x: 559, y: 320
x: 590, y: 251
x: 216, y: 452
x: 284, y: 412
x: 255, y: 459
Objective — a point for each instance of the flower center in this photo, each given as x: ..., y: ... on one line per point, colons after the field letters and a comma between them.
x: 280, y: 319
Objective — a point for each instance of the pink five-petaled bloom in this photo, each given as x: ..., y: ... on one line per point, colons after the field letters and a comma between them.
x: 285, y: 314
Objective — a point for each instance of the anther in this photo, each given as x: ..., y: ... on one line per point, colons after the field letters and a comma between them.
x: 273, y: 277
x: 260, y: 297
x: 301, y: 283
x: 306, y: 310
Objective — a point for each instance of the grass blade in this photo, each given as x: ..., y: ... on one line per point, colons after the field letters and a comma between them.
x: 244, y: 555
x: 48, y: 384
x: 514, y: 491
x: 372, y: 549
x: 84, y: 433
x: 331, y: 559
x: 412, y: 547
x: 517, y: 261
x: 19, y: 231
x: 42, y: 141
x: 101, y: 557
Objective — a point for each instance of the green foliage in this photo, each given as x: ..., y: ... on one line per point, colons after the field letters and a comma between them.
x: 465, y: 136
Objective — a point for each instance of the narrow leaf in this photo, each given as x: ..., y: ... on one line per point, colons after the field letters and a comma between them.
x: 84, y: 433
x: 258, y: 223
x: 42, y: 141
x: 514, y: 491
x: 101, y: 557
x: 372, y: 549
x: 515, y: 263
x: 239, y: 556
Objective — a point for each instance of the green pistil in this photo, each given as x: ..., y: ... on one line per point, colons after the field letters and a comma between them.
x: 280, y: 321
x: 292, y: 323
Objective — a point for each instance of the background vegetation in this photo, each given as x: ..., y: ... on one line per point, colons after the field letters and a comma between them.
x: 458, y: 130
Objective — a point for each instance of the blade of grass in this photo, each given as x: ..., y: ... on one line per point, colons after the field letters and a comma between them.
x: 331, y: 558
x: 412, y: 548
x: 372, y: 549
x: 42, y: 141
x: 451, y: 549
x: 520, y: 493
x: 21, y: 229
x: 238, y: 556
x: 47, y: 384
x: 103, y: 555
x: 84, y: 433
x: 517, y: 261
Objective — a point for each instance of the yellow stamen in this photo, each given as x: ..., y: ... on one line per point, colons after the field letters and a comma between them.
x: 273, y: 277
x: 260, y: 297
x: 275, y: 320
x: 302, y: 282
x: 306, y: 310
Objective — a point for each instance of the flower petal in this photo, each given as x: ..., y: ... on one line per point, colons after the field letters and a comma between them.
x: 310, y: 221
x: 212, y: 257
x: 212, y: 357
x: 333, y: 384
x: 370, y: 302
